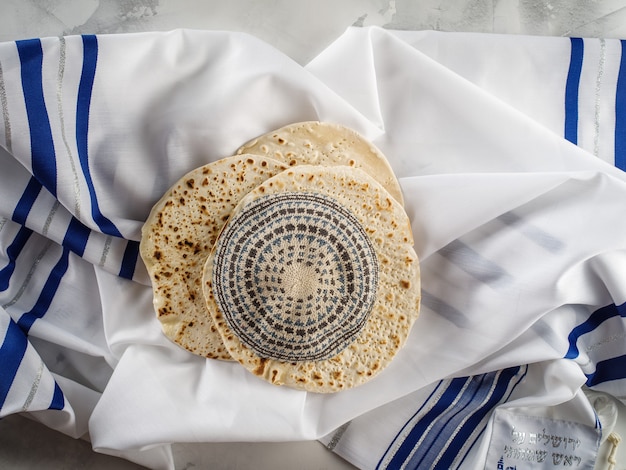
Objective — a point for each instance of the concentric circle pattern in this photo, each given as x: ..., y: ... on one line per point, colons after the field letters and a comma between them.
x: 295, y: 276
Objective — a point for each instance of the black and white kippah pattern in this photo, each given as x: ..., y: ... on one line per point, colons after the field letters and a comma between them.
x: 295, y: 276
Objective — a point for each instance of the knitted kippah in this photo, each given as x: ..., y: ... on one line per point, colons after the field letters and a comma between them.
x: 295, y: 276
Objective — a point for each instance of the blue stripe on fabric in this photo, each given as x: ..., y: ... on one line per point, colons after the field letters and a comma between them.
x: 11, y: 354
x: 438, y: 438
x: 129, y: 261
x: 475, y: 264
x: 388, y: 450
x: 422, y: 426
x: 58, y: 400
x: 608, y: 370
x: 20, y: 214
x: 76, y: 236
x: 448, y: 421
x: 85, y: 88
x: 571, y: 89
x: 47, y: 293
x: 491, y: 406
x: 620, y: 112
x: 421, y: 408
x: 13, y: 251
x: 75, y: 239
x: 26, y: 202
x: 42, y: 146
x: 595, y: 319
x: 478, y: 413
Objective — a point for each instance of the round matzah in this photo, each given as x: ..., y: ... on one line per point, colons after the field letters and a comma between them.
x: 328, y: 144
x: 178, y: 237
x: 379, y: 332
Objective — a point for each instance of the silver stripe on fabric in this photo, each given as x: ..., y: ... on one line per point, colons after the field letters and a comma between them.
x: 471, y: 440
x: 407, y: 460
x: 599, y: 344
x: 34, y: 387
x: 3, y: 221
x: 59, y: 95
x: 494, y: 383
x: 46, y: 225
x: 105, y: 251
x: 337, y: 436
x: 408, y: 427
x: 29, y: 276
x: 5, y: 112
x: 596, y: 137
x: 39, y: 257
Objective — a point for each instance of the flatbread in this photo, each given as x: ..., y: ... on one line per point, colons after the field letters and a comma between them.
x: 314, y: 282
x: 328, y: 144
x: 178, y: 237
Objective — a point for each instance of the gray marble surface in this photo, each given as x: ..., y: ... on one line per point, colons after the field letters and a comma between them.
x: 301, y: 29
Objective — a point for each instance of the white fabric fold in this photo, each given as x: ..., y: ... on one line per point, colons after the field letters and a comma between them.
x: 488, y: 282
x: 519, y: 230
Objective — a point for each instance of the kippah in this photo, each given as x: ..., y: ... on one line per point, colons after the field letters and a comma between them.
x: 295, y: 276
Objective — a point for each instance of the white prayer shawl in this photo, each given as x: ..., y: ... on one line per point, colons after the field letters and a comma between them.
x: 510, y: 152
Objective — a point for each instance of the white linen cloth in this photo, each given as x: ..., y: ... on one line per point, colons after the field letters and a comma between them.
x: 508, y: 151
